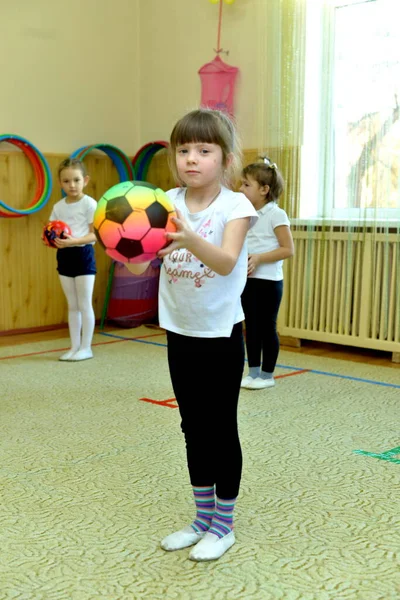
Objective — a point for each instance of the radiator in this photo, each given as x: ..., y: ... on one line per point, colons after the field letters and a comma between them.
x: 343, y: 288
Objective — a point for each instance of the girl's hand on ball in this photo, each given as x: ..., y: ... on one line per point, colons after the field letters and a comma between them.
x: 180, y: 239
x: 66, y: 242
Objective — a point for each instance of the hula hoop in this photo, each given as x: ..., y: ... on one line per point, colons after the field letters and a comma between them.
x: 39, y: 179
x: 38, y: 175
x: 42, y: 185
x: 42, y: 175
x: 120, y: 160
x: 143, y: 157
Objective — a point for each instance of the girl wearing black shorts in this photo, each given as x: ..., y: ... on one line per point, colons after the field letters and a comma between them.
x: 75, y: 257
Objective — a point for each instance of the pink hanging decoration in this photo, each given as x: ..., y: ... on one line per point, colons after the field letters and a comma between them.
x: 218, y: 78
x: 218, y: 85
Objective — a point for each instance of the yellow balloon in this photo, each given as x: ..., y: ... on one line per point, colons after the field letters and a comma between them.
x: 214, y: 1
x: 229, y: 1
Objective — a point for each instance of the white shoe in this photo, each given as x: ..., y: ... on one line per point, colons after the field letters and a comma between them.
x: 181, y: 539
x: 212, y: 547
x: 68, y: 355
x: 82, y: 355
x: 246, y: 381
x: 259, y: 384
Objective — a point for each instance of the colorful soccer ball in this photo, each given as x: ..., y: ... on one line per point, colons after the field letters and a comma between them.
x: 53, y: 230
x: 131, y: 220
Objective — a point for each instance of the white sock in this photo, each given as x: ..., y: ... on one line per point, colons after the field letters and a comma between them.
x: 74, y: 315
x: 84, y: 288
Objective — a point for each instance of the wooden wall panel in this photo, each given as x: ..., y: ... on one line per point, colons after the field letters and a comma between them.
x: 30, y: 293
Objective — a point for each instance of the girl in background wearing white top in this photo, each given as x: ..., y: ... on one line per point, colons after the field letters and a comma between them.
x: 202, y: 277
x: 75, y: 257
x: 269, y: 243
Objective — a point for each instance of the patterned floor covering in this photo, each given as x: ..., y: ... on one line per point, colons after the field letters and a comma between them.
x: 93, y: 475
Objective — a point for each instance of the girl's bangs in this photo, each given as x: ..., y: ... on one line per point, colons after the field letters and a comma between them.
x: 196, y: 128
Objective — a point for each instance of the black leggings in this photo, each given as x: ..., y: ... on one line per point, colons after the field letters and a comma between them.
x: 261, y: 299
x: 206, y: 375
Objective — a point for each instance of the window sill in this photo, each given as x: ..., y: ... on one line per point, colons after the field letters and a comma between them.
x: 356, y: 225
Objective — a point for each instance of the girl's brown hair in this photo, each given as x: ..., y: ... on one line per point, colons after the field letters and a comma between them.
x: 265, y: 172
x: 74, y: 163
x: 210, y: 127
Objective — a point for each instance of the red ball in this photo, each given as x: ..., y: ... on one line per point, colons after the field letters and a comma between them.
x: 53, y: 230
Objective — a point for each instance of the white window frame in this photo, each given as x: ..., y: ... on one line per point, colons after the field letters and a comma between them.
x: 317, y: 173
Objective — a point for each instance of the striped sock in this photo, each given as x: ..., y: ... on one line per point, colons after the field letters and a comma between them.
x: 222, y: 522
x: 204, y: 498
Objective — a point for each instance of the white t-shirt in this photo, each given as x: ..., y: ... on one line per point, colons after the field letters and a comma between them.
x: 261, y: 238
x: 78, y: 215
x: 194, y: 300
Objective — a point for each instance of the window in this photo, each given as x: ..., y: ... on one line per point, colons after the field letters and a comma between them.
x: 351, y: 150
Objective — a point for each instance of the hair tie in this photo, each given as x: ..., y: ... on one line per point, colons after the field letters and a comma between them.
x: 267, y: 161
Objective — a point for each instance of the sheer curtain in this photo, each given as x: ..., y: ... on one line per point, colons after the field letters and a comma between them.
x: 329, y: 116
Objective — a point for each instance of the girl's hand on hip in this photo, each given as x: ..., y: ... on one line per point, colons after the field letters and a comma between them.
x: 253, y: 262
x: 179, y: 239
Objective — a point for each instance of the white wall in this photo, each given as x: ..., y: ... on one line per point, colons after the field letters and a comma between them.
x: 176, y: 38
x: 68, y: 72
x: 123, y: 71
